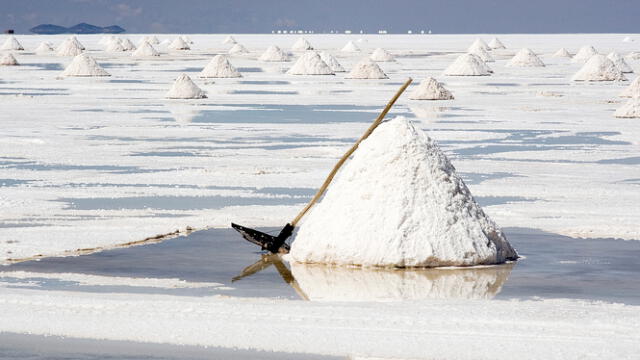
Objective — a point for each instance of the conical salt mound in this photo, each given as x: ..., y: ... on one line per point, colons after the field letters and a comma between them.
x: 187, y: 39
x: 310, y: 63
x: 11, y: 44
x: 331, y: 61
x: 620, y: 63
x: 185, y: 88
x: 468, y: 65
x: 430, y: 89
x: 584, y: 54
x: 77, y: 42
x: 151, y: 39
x: 144, y: 50
x: 477, y: 49
x: 627, y: 39
x: 381, y: 55
x: 179, y: 44
x: 629, y: 110
x: 366, y: 69
x: 479, y: 43
x: 274, y: 53
x: 301, y: 45
x: 219, y: 67
x: 238, y: 49
x: 229, y: 40
x: 633, y: 90
x: 350, y: 47
x: 399, y: 203
x: 525, y: 58
x: 68, y: 48
x: 496, y: 44
x: 43, y: 48
x: 84, y: 65
x: 115, y: 45
x: 599, y: 68
x: 8, y: 60
x: 127, y: 45
x: 562, y: 53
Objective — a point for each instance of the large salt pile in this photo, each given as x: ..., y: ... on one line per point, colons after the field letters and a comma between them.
x: 496, y: 44
x: 479, y: 43
x: 620, y: 63
x: 301, y: 45
x: 84, y: 65
x: 43, y: 48
x: 68, y: 48
x: 310, y: 63
x: 468, y: 65
x: 381, y: 55
x: 633, y: 90
x: 127, y: 44
x: 11, y: 44
x: 366, y: 69
x: 331, y: 61
x: 219, y: 67
x: 179, y: 44
x: 238, y: 49
x: 274, y: 54
x: 599, y: 68
x: 8, y: 60
x: 115, y: 46
x: 629, y: 110
x: 185, y: 88
x: 525, y: 58
x: 562, y: 53
x: 584, y: 54
x: 399, y: 203
x: 430, y: 89
x: 145, y: 50
x: 350, y: 47
x: 229, y: 40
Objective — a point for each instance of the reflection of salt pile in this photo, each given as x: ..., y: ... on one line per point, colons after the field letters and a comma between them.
x: 219, y: 67
x: 179, y: 44
x: 274, y: 53
x: 185, y: 88
x: 633, y: 90
x: 44, y: 48
x: 430, y: 89
x: 331, y: 61
x: 525, y: 58
x: 584, y: 54
x: 381, y: 55
x: 145, y: 49
x: 68, y: 48
x: 301, y: 45
x: 599, y: 68
x: 350, y: 47
x: 562, y: 53
x: 399, y: 202
x: 495, y: 44
x: 366, y: 69
x: 11, y: 44
x: 8, y: 60
x: 331, y: 283
x: 629, y: 110
x: 84, y: 65
x: 468, y: 65
x: 310, y: 63
x: 428, y: 112
x: 238, y: 49
x: 620, y: 63
x: 229, y: 40
x: 183, y: 113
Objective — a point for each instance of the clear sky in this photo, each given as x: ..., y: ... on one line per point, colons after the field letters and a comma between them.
x: 398, y: 16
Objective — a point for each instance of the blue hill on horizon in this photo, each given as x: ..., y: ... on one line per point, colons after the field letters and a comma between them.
x: 82, y: 28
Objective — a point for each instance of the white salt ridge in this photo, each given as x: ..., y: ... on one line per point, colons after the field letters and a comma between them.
x: 468, y: 65
x: 68, y: 48
x: 219, y: 67
x: 430, y: 89
x: 127, y: 44
x: 584, y: 54
x: 77, y: 42
x: 43, y: 48
x: 629, y: 110
x: 479, y: 43
x: 145, y: 50
x: 350, y: 47
x: 620, y: 63
x: 331, y: 61
x: 496, y: 44
x: 84, y: 65
x: 633, y: 90
x: 599, y: 68
x: 381, y: 55
x: 399, y: 203
x: 301, y: 45
x: 366, y: 69
x: 185, y: 88
x: 238, y: 49
x: 562, y: 53
x: 8, y: 60
x: 179, y: 44
x: 229, y: 40
x: 274, y: 54
x: 525, y: 58
x: 11, y: 44
x: 477, y: 49
x: 310, y: 63
x: 114, y: 46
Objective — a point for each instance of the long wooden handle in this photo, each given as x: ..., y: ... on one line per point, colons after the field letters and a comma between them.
x: 344, y: 158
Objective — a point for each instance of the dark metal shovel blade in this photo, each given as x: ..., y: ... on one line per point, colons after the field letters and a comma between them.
x: 274, y: 244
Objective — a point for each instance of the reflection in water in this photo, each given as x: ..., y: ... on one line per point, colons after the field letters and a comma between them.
x: 183, y: 113
x: 428, y: 111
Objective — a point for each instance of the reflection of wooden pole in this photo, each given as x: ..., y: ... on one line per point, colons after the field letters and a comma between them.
x: 287, y: 276
x: 267, y: 260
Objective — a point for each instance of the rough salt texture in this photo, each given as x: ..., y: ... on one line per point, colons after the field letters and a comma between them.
x: 84, y: 65
x: 633, y: 90
x: 620, y: 63
x: 331, y: 61
x: 238, y: 49
x: 229, y: 40
x: 584, y: 54
x: 525, y: 58
x: 430, y: 89
x: 350, y: 47
x: 68, y: 48
x: 43, y: 48
x: 145, y: 49
x: 8, y: 60
x: 219, y: 67
x: 151, y: 39
x: 562, y: 53
x: 599, y: 68
x: 11, y: 44
x: 310, y: 63
x: 274, y: 53
x: 301, y: 45
x: 179, y: 44
x: 468, y: 65
x: 381, y: 55
x: 495, y: 44
x: 479, y: 43
x: 634, y: 55
x: 127, y: 44
x: 366, y: 69
x: 185, y: 88
x: 77, y: 42
x: 477, y: 49
x: 629, y: 110
x: 399, y: 203
x: 115, y: 45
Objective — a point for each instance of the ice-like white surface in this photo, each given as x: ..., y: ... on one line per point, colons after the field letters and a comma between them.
x: 219, y: 67
x: 430, y: 89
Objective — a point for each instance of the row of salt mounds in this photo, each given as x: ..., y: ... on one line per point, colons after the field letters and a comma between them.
x: 350, y: 47
x: 496, y: 44
x: 562, y: 53
x: 229, y: 40
x: 620, y: 63
x: 187, y: 39
x: 468, y: 65
x: 629, y: 110
x: 599, y: 68
x: 11, y: 44
x: 179, y: 44
x: 84, y: 65
x: 633, y: 90
x: 525, y: 58
x: 331, y: 61
x: 477, y: 49
x: 185, y: 88
x: 274, y: 54
x: 431, y: 89
x: 366, y: 69
x: 381, y: 55
x: 127, y: 44
x: 238, y: 49
x: 219, y: 67
x: 114, y: 46
x: 301, y: 45
x: 145, y: 50
x: 151, y: 39
x: 8, y: 60
x: 479, y: 43
x: 399, y: 203
x: 44, y: 48
x: 69, y: 48
x: 584, y: 54
x: 310, y: 63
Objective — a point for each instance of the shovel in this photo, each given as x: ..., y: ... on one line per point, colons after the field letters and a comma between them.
x: 277, y: 244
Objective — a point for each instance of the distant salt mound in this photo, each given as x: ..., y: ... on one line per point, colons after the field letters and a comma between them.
x: 479, y: 43
x: 584, y: 54
x: 399, y: 203
x: 562, y: 53
x: 274, y: 54
x: 68, y: 48
x: 77, y: 42
x: 525, y: 58
x: 468, y: 65
x: 186, y: 39
x: 84, y: 65
x: 11, y: 44
x: 310, y: 63
x: 430, y: 89
x: 185, y: 88
x: 629, y: 110
x: 599, y: 68
x: 350, y: 47
x: 151, y: 39
x: 477, y: 49
x: 165, y: 42
x: 496, y: 44
x: 301, y: 45
x: 634, y: 55
x: 127, y: 45
x: 633, y: 90
x: 145, y: 50
x: 219, y: 67
x: 8, y: 60
x: 331, y: 61
x: 620, y: 63
x: 44, y: 48
x: 238, y: 49
x: 627, y: 39
x: 366, y: 69
x: 115, y: 46
x: 381, y: 55
x: 229, y: 40
x: 179, y: 44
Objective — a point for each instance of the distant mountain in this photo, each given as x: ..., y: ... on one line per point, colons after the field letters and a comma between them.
x: 82, y: 28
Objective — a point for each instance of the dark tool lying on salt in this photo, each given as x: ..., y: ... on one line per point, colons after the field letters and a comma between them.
x: 277, y: 244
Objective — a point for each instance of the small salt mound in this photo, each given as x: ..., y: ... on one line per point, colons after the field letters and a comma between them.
x: 525, y: 58
x: 68, y: 48
x: 11, y: 44
x: 562, y: 53
x: 186, y: 39
x: 238, y: 49
x: 219, y: 67
x: 179, y: 44
x: 115, y: 45
x: 84, y: 65
x: 495, y: 44
x: 229, y: 40
x: 620, y: 63
x: 144, y: 50
x: 185, y: 88
x: 599, y: 68
x: 479, y: 43
x: 151, y: 39
x: 310, y: 63
x: 350, y: 47
x: 8, y: 60
x: 43, y: 48
x: 430, y: 89
x: 634, y: 55
x: 301, y: 45
x: 481, y: 52
x: 632, y: 90
x: 627, y: 39
x: 366, y: 69
x: 629, y: 110
x: 77, y: 42
x: 584, y: 54
x: 468, y: 65
x: 127, y: 45
x: 381, y: 55
x: 331, y: 61
x: 274, y: 53
x: 399, y: 203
